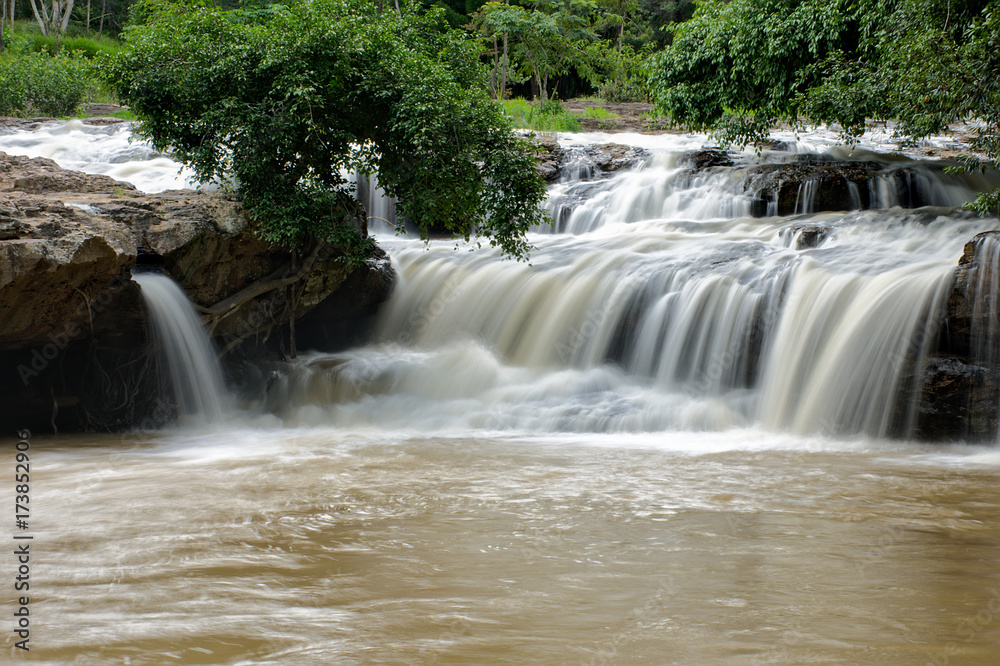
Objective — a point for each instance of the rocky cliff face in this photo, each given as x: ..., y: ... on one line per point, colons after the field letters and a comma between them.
x: 71, y: 318
x: 961, y: 388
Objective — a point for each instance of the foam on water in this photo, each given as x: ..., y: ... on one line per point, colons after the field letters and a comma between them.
x: 108, y: 150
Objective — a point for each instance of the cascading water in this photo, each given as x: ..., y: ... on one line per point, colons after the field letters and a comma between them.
x: 593, y: 458
x: 663, y: 298
x: 659, y: 303
x: 194, y: 370
x: 101, y: 149
x: 985, y: 286
x: 380, y: 207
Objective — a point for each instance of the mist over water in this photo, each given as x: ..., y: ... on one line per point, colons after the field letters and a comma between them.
x: 678, y: 435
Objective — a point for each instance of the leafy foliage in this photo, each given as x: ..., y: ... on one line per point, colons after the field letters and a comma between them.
x: 738, y: 67
x: 289, y: 106
x: 544, y: 42
x: 624, y: 77
x: 562, y: 37
x: 37, y: 83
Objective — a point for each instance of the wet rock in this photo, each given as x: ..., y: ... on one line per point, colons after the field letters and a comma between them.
x: 43, y: 176
x: 802, y: 237
x: 959, y: 401
x: 69, y: 309
x: 705, y: 159
x: 961, y: 391
x: 777, y: 145
x: 781, y: 188
x: 54, y: 262
x: 549, y: 156
x: 970, y: 249
x: 964, y: 314
x: 610, y: 157
x: 589, y: 162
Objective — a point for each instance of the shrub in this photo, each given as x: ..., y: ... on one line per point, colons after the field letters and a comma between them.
x: 44, y: 84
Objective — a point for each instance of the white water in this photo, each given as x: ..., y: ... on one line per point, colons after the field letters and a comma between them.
x: 193, y: 368
x: 100, y: 149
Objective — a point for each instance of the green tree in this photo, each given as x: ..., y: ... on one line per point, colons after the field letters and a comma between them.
x: 289, y: 106
x: 738, y: 67
x: 542, y: 43
x: 924, y: 63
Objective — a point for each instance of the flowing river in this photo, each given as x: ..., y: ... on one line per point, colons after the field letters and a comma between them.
x: 680, y: 435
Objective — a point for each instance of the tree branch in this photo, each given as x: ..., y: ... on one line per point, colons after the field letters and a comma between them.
x: 276, y: 280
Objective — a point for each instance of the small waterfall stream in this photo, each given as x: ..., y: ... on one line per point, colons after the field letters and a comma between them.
x: 192, y: 364
x: 666, y: 297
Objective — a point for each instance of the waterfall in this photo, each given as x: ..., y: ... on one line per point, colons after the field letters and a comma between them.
x: 985, y: 286
x: 658, y: 303
x: 847, y: 345
x: 805, y: 200
x: 380, y: 207
x: 195, y: 373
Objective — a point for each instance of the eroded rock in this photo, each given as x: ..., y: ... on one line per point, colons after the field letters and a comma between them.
x: 706, y: 159
x: 69, y: 309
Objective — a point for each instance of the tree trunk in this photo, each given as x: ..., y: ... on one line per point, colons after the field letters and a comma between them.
x: 495, y: 72
x: 67, y: 12
x: 41, y: 22
x: 503, y: 77
x: 291, y: 311
x: 55, y: 19
x: 104, y: 9
x: 540, y: 83
x: 88, y: 16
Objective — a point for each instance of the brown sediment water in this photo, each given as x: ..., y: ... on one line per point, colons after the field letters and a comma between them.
x: 312, y: 546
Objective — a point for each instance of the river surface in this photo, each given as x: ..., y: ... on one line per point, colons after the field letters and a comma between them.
x: 677, y: 436
x: 323, y: 546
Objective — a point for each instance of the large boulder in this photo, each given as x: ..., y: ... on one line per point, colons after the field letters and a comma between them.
x: 548, y: 155
x: 706, y: 158
x: 781, y: 189
x: 590, y: 162
x: 959, y: 401
x: 58, y: 261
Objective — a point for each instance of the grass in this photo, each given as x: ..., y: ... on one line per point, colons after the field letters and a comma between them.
x: 597, y: 113
x: 86, y: 47
x: 547, y: 117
